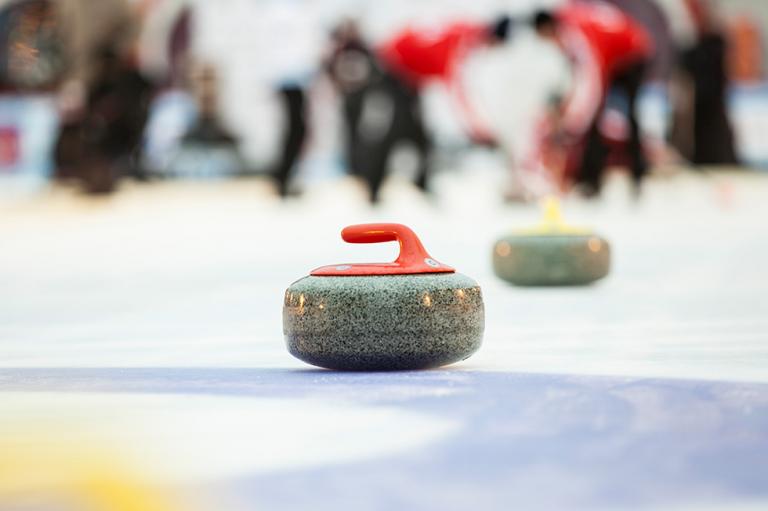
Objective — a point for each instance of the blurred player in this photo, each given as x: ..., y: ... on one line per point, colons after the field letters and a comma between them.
x: 293, y: 99
x: 701, y: 129
x: 356, y: 74
x: 609, y: 50
x: 104, y: 98
x: 382, y: 90
x: 293, y: 69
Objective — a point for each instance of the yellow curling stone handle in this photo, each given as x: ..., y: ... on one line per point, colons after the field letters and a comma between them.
x: 552, y: 222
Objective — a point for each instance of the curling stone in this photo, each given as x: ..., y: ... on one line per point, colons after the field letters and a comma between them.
x: 552, y: 254
x: 413, y: 313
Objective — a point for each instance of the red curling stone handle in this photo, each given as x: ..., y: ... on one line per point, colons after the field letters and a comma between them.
x: 413, y: 258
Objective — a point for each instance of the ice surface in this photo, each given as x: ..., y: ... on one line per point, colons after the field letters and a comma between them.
x: 647, y: 390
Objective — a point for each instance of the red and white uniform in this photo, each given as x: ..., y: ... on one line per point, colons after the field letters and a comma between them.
x: 603, y: 41
x: 419, y: 56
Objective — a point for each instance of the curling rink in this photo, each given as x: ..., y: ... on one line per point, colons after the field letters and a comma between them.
x: 148, y: 325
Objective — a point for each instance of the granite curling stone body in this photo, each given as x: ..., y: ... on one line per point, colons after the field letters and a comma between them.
x: 413, y: 313
x: 552, y: 254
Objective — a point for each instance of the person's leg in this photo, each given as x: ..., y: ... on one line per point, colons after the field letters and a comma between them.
x: 713, y: 134
x: 408, y: 125
x: 293, y: 100
x: 352, y: 109
x: 378, y: 131
x: 376, y: 171
x: 682, y: 97
x: 98, y: 173
x: 423, y: 145
x: 68, y: 151
x: 631, y: 83
x: 594, y: 153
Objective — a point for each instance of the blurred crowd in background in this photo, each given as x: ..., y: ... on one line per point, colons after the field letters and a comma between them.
x: 95, y: 92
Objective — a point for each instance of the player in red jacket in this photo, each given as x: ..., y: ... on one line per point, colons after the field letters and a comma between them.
x: 609, y: 50
x: 381, y: 89
x: 421, y: 56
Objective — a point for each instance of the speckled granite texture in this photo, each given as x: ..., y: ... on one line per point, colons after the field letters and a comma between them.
x: 557, y: 260
x: 380, y: 323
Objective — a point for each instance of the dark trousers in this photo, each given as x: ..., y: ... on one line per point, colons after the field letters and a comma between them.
x: 293, y: 99
x: 593, y: 160
x: 713, y: 140
x: 379, y: 116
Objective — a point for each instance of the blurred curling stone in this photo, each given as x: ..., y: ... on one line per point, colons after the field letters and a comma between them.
x: 413, y: 313
x: 552, y: 253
